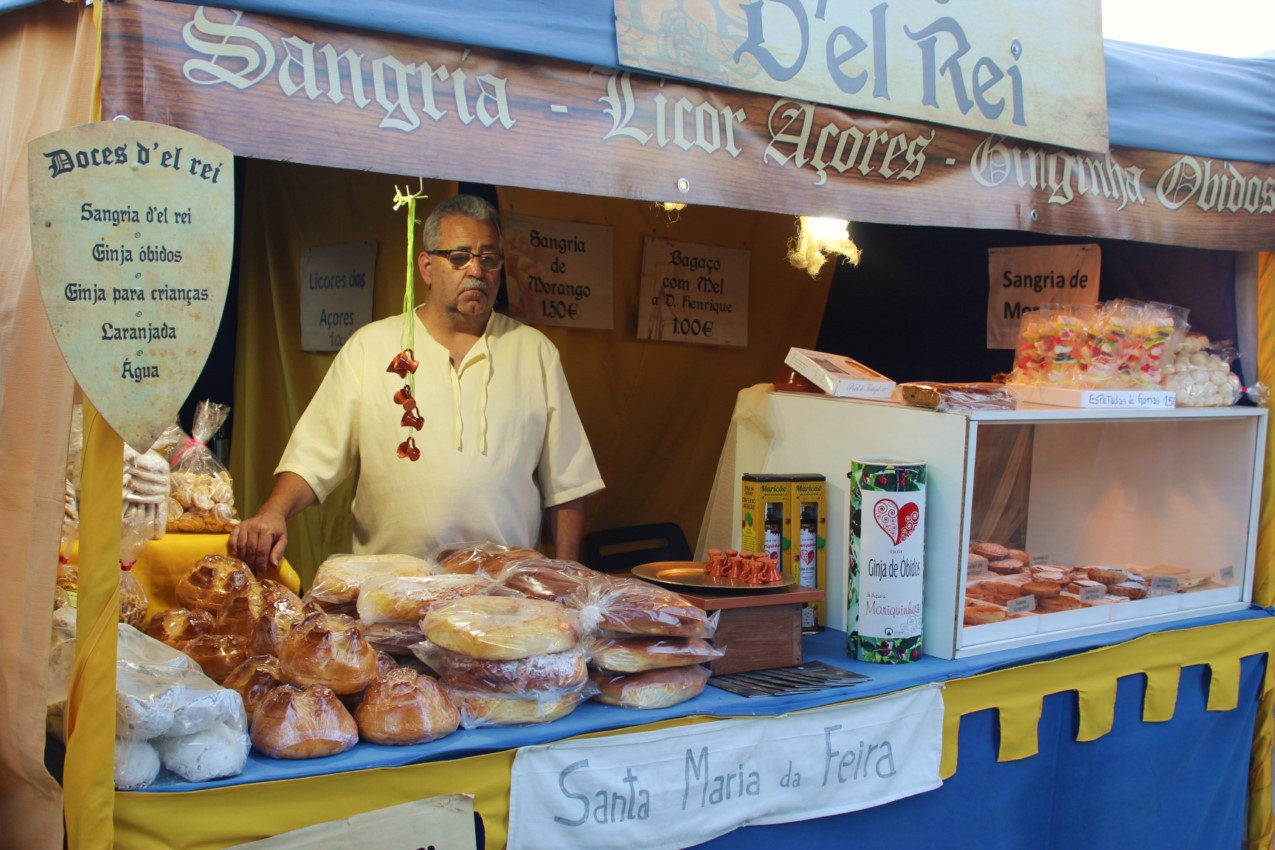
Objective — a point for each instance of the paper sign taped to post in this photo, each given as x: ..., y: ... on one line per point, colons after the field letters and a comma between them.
x: 685, y: 785
x: 438, y: 823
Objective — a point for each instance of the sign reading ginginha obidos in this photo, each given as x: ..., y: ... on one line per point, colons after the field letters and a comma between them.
x: 1030, y: 71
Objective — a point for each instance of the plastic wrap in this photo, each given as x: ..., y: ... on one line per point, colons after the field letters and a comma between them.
x: 1200, y: 373
x: 628, y: 654
x: 545, y: 578
x: 217, y: 655
x: 329, y: 650
x: 398, y: 599
x: 205, y: 755
x: 283, y: 610
x: 393, y: 638
x: 635, y: 607
x: 649, y: 689
x: 179, y: 626
x: 203, y: 499
x: 481, y: 557
x: 300, y: 723
x: 526, y: 677
x: 957, y: 396
x: 253, y: 679
x: 133, y: 600
x: 212, y: 581
x: 403, y: 707
x: 339, y: 577
x: 239, y: 614
x: 501, y: 628
x: 478, y: 709
x: 146, y: 490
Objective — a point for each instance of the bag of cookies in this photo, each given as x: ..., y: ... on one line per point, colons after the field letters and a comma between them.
x: 202, y: 499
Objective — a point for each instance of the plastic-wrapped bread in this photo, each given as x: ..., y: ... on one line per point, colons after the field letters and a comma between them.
x: 650, y: 689
x: 401, y: 599
x: 487, y: 558
x: 253, y: 679
x: 338, y: 579
x: 543, y: 578
x: 330, y: 650
x: 212, y: 580
x: 136, y: 764
x: 283, y: 611
x: 626, y: 654
x: 239, y: 614
x: 556, y: 671
x: 501, y: 628
x: 393, y: 638
x: 402, y: 707
x: 479, y: 709
x: 296, y: 723
x: 636, y: 607
x: 206, y: 755
x: 179, y: 626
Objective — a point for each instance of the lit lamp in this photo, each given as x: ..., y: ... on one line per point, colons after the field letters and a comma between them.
x: 817, y: 237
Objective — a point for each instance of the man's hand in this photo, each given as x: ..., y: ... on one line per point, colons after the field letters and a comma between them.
x: 260, y: 540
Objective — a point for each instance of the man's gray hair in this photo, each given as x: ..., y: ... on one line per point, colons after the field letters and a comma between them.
x: 469, y: 206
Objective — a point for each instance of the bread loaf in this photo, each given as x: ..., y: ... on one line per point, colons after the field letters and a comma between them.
x: 649, y: 689
x: 501, y: 628
x: 635, y: 607
x: 529, y: 676
x: 486, y: 709
x: 638, y: 654
x: 389, y: 599
x: 329, y: 650
x: 212, y: 580
x: 542, y: 578
x: 253, y: 679
x: 218, y: 654
x: 339, y: 577
x: 178, y: 626
x: 296, y: 723
x: 487, y: 558
x: 402, y: 707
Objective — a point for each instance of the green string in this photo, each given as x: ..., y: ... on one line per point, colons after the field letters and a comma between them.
x: 407, y: 338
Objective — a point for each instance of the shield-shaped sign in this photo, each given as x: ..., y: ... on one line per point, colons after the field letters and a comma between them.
x: 131, y: 228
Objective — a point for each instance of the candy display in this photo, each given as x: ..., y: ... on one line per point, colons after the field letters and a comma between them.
x: 1200, y: 373
x: 1120, y: 344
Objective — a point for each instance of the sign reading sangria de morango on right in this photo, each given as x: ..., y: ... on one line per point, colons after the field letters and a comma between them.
x: 132, y: 225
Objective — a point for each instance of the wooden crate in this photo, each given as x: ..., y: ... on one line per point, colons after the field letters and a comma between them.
x: 757, y: 629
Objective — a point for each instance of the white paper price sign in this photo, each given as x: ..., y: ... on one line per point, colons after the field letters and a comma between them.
x: 679, y: 787
x: 131, y: 229
x: 560, y: 272
x: 693, y: 293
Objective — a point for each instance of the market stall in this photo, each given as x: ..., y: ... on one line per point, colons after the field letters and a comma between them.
x: 480, y: 142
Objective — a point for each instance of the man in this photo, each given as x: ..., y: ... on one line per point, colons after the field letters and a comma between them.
x: 501, y: 436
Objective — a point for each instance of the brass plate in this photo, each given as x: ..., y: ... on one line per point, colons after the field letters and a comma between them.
x: 695, y: 574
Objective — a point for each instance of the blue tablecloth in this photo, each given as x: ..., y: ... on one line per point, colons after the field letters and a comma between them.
x: 590, y: 717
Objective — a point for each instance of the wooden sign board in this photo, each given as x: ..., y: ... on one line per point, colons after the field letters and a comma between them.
x: 560, y: 272
x: 131, y: 229
x: 337, y: 282
x: 693, y: 293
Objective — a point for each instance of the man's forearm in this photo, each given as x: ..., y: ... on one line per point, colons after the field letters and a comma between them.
x: 567, y: 523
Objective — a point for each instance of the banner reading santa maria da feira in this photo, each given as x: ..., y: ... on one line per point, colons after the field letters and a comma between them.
x: 681, y: 786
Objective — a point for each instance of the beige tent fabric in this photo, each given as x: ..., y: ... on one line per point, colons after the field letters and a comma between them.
x: 656, y: 412
x: 47, y: 64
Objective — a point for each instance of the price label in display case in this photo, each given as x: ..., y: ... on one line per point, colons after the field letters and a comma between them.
x: 132, y: 226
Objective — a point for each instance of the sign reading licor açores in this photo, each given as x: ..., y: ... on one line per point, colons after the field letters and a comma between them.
x: 131, y: 229
x: 986, y: 65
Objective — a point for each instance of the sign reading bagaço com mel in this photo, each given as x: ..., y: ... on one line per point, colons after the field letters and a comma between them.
x: 131, y: 230
x: 561, y: 272
x: 336, y: 293
x: 693, y: 293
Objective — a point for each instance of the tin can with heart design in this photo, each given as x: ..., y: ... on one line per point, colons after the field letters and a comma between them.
x: 887, y: 560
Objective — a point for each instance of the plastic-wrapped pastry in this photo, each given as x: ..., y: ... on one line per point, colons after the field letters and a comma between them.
x: 339, y: 577
x: 399, y: 599
x: 651, y: 689
x: 273, y: 625
x: 212, y: 580
x: 136, y: 764
x: 958, y: 396
x: 529, y: 676
x: 329, y: 650
x: 479, y: 709
x: 239, y: 614
x: 218, y: 654
x: 636, y: 607
x: 209, y: 754
x: 624, y: 654
x: 253, y: 679
x: 501, y: 628
x: 178, y: 626
x: 394, y: 638
x: 543, y: 578
x: 488, y: 558
x: 403, y: 707
x: 296, y: 723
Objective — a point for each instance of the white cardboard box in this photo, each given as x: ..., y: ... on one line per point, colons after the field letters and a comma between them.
x: 839, y: 375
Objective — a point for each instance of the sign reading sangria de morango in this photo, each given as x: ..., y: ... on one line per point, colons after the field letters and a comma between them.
x: 131, y: 229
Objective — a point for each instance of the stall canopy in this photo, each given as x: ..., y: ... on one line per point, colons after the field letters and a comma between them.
x: 1157, y: 98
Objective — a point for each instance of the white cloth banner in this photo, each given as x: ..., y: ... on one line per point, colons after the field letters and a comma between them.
x: 673, y: 788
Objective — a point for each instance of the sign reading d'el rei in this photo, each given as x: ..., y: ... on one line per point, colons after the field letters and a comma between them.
x: 131, y: 228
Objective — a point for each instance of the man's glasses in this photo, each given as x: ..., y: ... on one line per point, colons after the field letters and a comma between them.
x: 488, y: 262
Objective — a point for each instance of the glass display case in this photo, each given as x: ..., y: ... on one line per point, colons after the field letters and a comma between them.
x: 1043, y: 522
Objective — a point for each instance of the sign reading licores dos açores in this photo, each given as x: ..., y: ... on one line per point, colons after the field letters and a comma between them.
x: 131, y: 229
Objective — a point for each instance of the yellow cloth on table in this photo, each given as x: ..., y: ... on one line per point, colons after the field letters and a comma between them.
x: 165, y: 562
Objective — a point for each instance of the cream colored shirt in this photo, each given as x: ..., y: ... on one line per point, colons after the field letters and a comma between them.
x: 501, y: 439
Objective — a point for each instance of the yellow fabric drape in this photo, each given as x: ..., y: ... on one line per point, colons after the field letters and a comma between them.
x: 47, y: 65
x: 223, y: 817
x: 1264, y: 581
x: 655, y: 412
